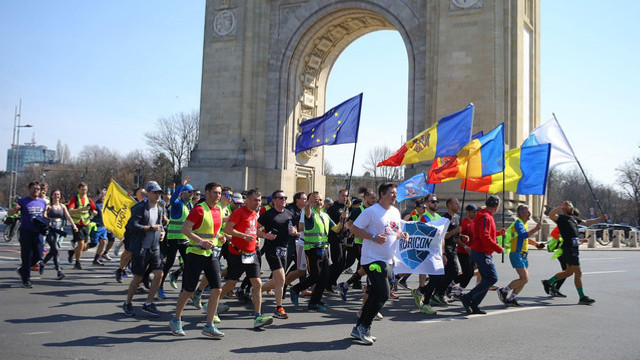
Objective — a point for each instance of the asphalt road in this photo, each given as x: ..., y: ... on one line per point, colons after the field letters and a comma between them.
x: 80, y: 317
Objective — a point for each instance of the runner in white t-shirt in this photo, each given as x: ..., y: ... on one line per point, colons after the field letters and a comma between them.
x: 379, y: 228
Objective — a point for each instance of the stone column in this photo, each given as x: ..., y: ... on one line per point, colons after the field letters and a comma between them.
x: 591, y: 239
x: 633, y: 239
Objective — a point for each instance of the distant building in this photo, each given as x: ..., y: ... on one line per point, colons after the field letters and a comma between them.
x: 30, y: 154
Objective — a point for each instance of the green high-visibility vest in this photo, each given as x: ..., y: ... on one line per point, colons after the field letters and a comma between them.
x: 173, y: 229
x: 358, y: 240
x: 431, y: 218
x: 84, y: 214
x: 206, y: 231
x: 415, y: 217
x: 318, y: 235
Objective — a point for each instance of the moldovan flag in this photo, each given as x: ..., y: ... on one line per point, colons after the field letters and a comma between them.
x: 525, y: 170
x: 480, y: 157
x: 117, y: 209
x: 551, y: 133
x: 445, y: 138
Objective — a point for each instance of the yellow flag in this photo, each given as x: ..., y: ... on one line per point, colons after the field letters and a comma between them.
x: 117, y: 209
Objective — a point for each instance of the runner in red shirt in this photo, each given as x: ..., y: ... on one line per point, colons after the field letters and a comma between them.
x: 243, y: 228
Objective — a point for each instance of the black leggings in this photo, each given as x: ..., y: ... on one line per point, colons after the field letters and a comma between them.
x: 559, y: 283
x: 435, y: 282
x: 318, y: 265
x: 378, y: 290
x: 52, y: 240
x: 173, y: 246
x: 353, y: 253
x: 466, y: 264
x: 338, y: 260
x: 450, y: 272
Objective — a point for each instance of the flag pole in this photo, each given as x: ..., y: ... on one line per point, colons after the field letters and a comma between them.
x: 579, y: 165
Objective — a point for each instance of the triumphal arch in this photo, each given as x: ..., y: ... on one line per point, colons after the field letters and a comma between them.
x: 266, y: 65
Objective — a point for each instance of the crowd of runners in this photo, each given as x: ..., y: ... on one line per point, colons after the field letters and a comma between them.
x: 307, y: 242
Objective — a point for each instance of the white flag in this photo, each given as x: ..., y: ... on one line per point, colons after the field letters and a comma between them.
x: 551, y: 133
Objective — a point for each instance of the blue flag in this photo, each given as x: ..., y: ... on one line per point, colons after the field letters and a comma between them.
x: 414, y: 187
x: 337, y: 126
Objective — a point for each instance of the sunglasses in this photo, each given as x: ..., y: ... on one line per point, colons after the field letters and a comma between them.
x: 281, y: 197
x: 36, y: 188
x: 198, y: 194
x: 434, y: 201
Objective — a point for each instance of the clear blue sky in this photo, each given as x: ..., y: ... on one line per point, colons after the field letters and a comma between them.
x: 102, y: 73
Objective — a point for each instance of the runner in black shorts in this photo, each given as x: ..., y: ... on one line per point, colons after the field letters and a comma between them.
x: 278, y: 225
x: 242, y: 225
x: 568, y: 225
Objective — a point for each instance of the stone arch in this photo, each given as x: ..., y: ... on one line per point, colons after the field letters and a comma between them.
x: 306, y: 60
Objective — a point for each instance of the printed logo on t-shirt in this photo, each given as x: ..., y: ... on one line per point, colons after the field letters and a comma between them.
x: 252, y: 228
x: 391, y: 228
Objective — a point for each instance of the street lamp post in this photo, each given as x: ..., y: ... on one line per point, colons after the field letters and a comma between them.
x: 15, y: 145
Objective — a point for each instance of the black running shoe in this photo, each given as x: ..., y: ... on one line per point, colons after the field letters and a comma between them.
x: 546, y: 286
x: 585, y: 300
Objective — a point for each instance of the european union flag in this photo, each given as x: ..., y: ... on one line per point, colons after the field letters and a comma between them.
x: 337, y: 126
x: 414, y: 187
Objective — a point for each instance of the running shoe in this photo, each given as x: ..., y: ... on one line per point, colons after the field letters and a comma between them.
x: 512, y: 303
x: 343, y: 291
x: 70, y: 256
x: 150, y: 309
x: 261, y: 321
x: 161, y: 293
x: 173, y: 280
x: 223, y: 308
x: 77, y: 266
x: 403, y: 284
x: 295, y: 297
x: 118, y: 274
x: 426, y: 309
x: 280, y: 313
x: 305, y: 293
x: 466, y: 303
x: 546, y: 286
x: 493, y: 287
x: 356, y: 335
x: 107, y: 257
x: 364, y: 334
x: 556, y: 293
x: 61, y: 275
x: 97, y: 262
x: 502, y: 295
x: 196, y: 301
x: 27, y: 284
x: 40, y: 267
x: 127, y: 308
x: 212, y: 332
x: 436, y: 300
x: 176, y: 327
x: 316, y: 307
x: 477, y: 310
x: 417, y: 297
x: 393, y: 295
x: 585, y: 300
x: 378, y: 317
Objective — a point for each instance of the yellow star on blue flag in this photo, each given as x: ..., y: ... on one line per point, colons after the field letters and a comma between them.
x: 339, y: 125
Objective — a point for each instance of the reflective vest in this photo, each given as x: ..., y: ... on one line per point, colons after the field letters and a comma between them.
x: 84, y: 214
x: 206, y: 231
x: 415, y: 217
x: 318, y: 235
x: 358, y: 240
x: 512, y: 238
x: 173, y: 230
x: 430, y: 217
x: 224, y: 212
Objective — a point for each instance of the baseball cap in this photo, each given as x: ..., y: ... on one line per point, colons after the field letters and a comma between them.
x: 471, y: 207
x: 153, y: 186
x: 328, y: 200
x: 187, y: 187
x: 237, y: 198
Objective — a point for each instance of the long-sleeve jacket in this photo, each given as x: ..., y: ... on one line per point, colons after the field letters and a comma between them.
x: 484, y: 233
x: 135, y: 229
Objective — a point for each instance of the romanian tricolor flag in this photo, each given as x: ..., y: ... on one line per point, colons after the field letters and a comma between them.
x: 480, y: 157
x: 444, y: 138
x: 525, y: 172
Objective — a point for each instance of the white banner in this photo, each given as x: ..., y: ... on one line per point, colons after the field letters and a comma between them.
x: 422, y: 254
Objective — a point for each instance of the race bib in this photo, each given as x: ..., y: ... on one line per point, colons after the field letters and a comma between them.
x: 575, y: 241
x: 249, y: 258
x: 216, y: 252
x: 281, y: 251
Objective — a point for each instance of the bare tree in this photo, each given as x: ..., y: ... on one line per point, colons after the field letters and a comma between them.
x: 629, y: 180
x: 383, y: 173
x: 175, y: 136
x: 63, y: 155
